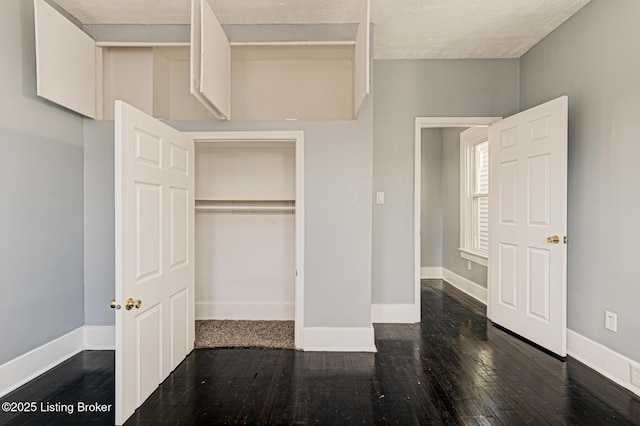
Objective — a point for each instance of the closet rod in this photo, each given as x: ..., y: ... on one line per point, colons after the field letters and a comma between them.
x: 245, y: 208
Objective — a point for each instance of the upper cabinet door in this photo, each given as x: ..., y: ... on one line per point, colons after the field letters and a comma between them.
x: 361, y: 77
x: 65, y: 61
x: 210, y: 60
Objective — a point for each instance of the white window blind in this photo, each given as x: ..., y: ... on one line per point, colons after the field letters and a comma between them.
x: 474, y: 195
x: 481, y: 197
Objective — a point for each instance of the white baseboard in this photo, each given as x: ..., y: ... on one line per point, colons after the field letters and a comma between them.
x: 430, y: 272
x: 339, y: 339
x: 610, y: 364
x: 467, y: 286
x: 401, y: 313
x: 26, y: 367
x: 246, y: 311
x: 99, y: 337
x: 30, y: 365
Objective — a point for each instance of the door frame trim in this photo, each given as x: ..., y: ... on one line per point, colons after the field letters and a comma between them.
x: 426, y: 123
x: 297, y: 138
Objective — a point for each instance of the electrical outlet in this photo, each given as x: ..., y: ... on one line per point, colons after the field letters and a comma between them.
x: 468, y: 264
x: 635, y: 375
x: 610, y: 321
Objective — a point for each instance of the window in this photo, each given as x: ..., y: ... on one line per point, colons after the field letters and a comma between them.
x: 474, y: 200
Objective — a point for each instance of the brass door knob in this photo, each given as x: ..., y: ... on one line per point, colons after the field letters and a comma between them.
x: 554, y: 239
x: 114, y: 305
x: 131, y: 303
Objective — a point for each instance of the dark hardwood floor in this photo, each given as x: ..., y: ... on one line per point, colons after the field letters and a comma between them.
x: 454, y: 368
x: 85, y: 378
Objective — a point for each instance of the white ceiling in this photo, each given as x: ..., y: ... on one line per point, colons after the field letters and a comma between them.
x: 405, y: 29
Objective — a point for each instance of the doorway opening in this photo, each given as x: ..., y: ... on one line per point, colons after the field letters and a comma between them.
x: 430, y: 195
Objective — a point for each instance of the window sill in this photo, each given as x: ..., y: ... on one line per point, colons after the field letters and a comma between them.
x: 480, y: 259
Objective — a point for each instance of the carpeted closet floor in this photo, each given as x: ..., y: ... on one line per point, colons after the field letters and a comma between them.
x: 244, y: 334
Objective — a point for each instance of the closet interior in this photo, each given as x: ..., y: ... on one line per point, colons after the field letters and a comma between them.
x: 245, y: 230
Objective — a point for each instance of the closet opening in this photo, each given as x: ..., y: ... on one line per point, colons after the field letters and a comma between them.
x: 248, y: 240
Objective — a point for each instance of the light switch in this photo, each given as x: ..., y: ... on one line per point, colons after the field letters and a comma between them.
x: 379, y: 197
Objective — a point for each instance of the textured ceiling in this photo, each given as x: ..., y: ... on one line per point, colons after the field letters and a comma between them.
x: 405, y: 29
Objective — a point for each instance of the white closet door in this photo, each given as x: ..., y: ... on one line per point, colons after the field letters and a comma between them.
x: 210, y: 60
x: 155, y: 326
x: 65, y: 61
x: 361, y: 61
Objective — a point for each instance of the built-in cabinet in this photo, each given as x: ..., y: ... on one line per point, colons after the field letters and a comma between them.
x: 209, y: 78
x: 84, y: 76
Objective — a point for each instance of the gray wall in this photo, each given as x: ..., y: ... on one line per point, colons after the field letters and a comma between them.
x: 99, y: 222
x: 41, y: 267
x: 451, y: 259
x: 593, y: 58
x: 406, y: 89
x: 431, y: 199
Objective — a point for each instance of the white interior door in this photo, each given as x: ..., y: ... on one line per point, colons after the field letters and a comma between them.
x: 155, y: 325
x: 210, y: 60
x: 65, y: 61
x: 528, y: 224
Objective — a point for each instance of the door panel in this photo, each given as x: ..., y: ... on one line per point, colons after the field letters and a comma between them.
x: 527, y: 273
x: 361, y: 60
x: 154, y: 254
x: 538, y: 283
x: 148, y: 231
x: 215, y: 74
x: 508, y: 192
x: 507, y: 284
x: 179, y: 222
x: 179, y: 327
x: 148, y: 353
x: 539, y: 187
x: 210, y: 60
x: 65, y: 61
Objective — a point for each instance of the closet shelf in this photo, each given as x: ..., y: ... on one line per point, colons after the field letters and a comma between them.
x: 244, y: 205
x: 245, y: 208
